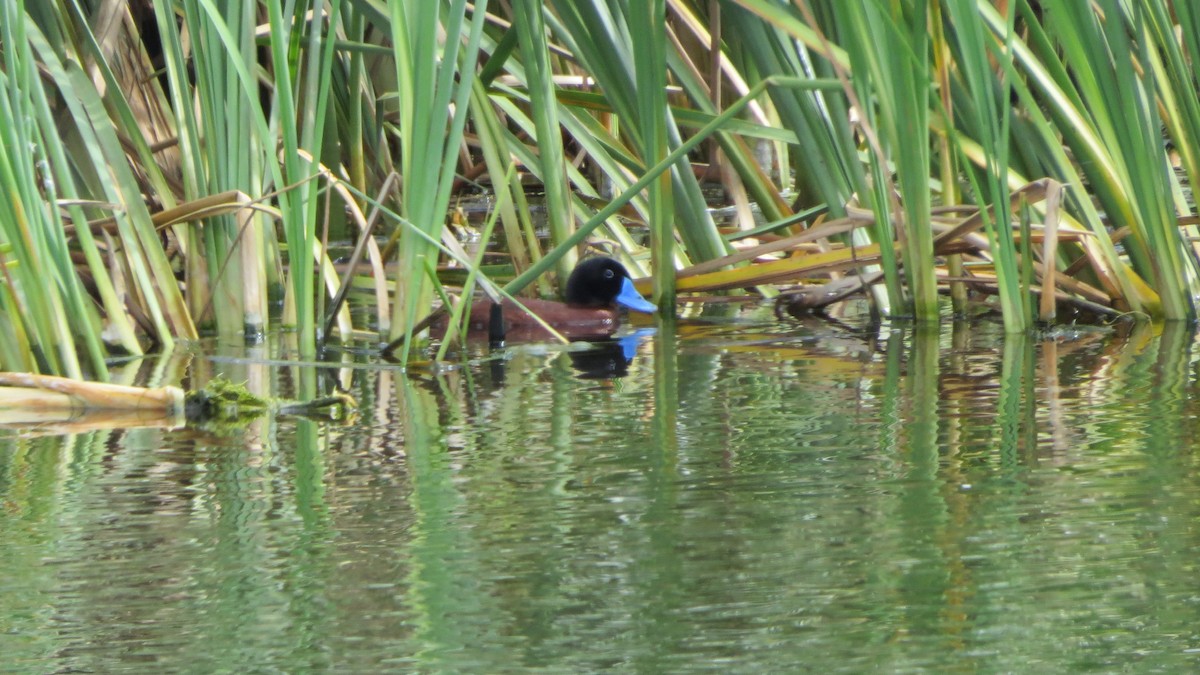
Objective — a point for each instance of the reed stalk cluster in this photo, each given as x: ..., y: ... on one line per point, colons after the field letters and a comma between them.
x: 175, y: 168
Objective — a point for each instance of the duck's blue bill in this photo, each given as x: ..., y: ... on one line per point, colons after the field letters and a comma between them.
x: 629, y: 297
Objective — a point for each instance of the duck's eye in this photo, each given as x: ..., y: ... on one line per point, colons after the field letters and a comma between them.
x: 608, y: 274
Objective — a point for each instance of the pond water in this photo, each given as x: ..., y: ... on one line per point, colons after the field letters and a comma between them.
x: 752, y: 495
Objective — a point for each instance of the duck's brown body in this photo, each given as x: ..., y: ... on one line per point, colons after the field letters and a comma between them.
x: 576, y: 323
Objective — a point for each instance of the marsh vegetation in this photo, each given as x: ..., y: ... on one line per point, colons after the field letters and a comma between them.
x: 176, y: 168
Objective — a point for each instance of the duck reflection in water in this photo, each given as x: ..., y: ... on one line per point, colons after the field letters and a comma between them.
x: 609, y: 358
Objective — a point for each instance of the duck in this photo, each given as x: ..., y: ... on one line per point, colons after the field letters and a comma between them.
x: 596, y: 291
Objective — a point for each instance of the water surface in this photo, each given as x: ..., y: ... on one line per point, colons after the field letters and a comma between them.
x: 751, y: 495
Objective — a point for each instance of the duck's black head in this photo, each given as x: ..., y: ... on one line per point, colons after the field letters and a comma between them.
x: 604, y: 282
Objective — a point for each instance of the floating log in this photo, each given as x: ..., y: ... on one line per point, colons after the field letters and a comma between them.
x: 46, y: 393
